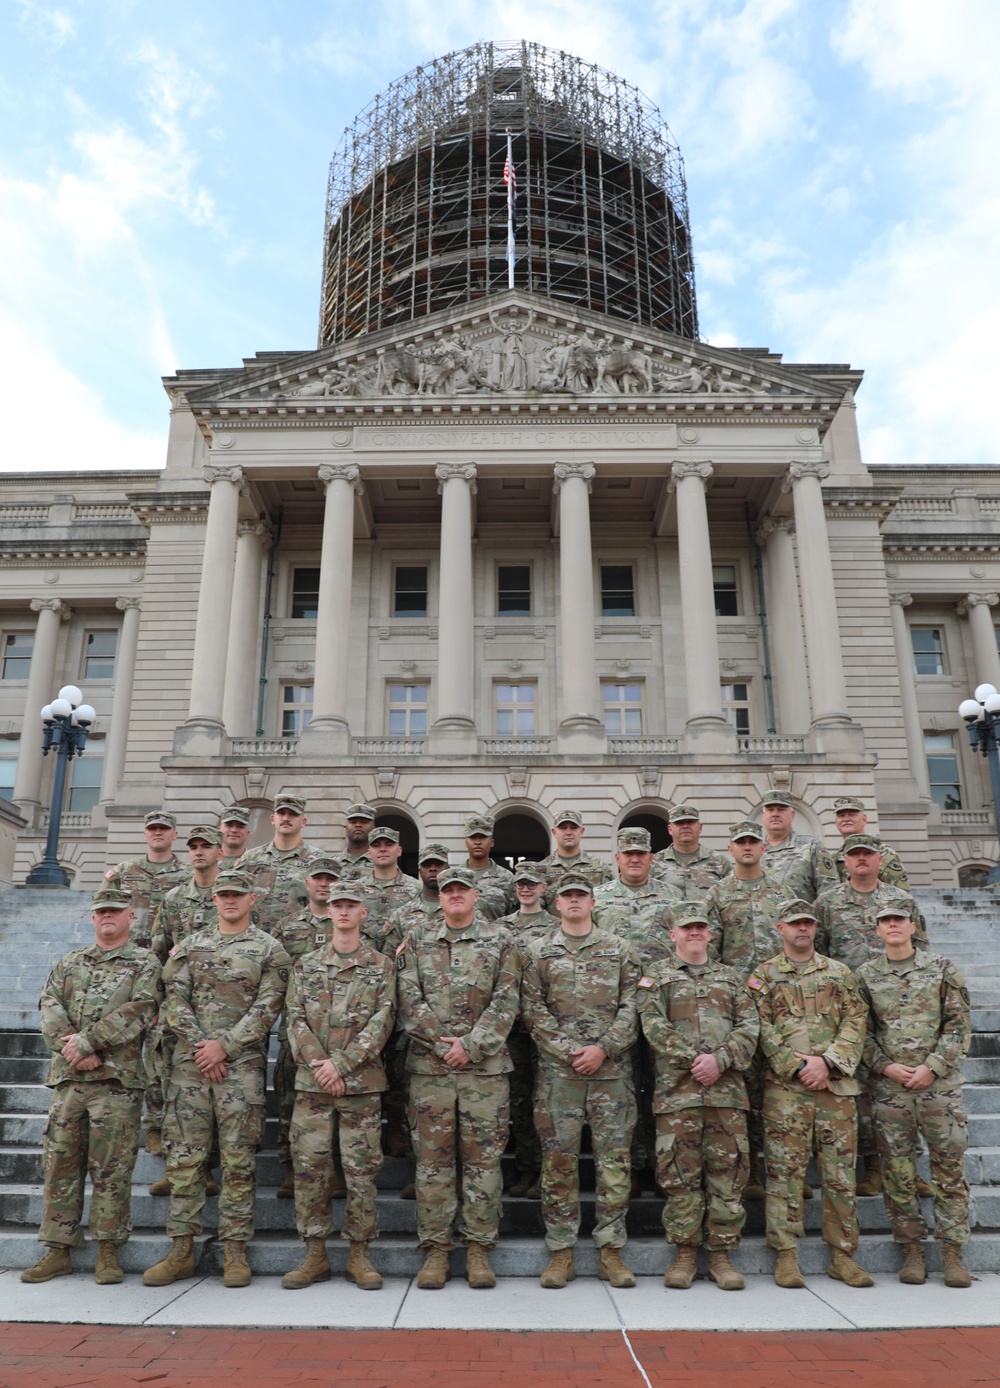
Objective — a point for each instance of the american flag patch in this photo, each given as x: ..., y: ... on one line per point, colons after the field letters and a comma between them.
x: 400, y: 948
x: 175, y: 949
x: 646, y: 982
x: 110, y: 872
x: 754, y: 983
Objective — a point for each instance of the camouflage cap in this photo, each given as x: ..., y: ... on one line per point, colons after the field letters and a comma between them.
x: 776, y: 797
x: 680, y: 812
x: 111, y: 898
x: 634, y: 839
x: 457, y: 874
x: 204, y: 831
x: 433, y: 853
x: 745, y: 829
x: 327, y: 864
x: 797, y: 910
x: 689, y: 912
x: 295, y: 803
x: 360, y: 812
x: 569, y: 817
x: 574, y: 882
x: 238, y: 814
x: 479, y: 824
x: 899, y: 904
x: 232, y: 880
x: 159, y: 817
x: 382, y: 831
x: 529, y: 872
x: 847, y: 802
x: 346, y: 891
x: 868, y: 841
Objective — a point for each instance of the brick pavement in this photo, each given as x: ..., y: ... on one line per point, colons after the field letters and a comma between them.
x: 66, y: 1356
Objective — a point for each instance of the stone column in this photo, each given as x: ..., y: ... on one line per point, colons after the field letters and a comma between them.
x: 329, y: 731
x: 116, y: 739
x: 239, y: 705
x: 788, y: 658
x: 706, y: 725
x: 986, y: 661
x: 580, y: 725
x: 203, y: 732
x: 908, y: 692
x: 454, y: 729
x: 41, y: 691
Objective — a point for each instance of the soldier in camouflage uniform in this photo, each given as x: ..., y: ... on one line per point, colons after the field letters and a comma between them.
x: 801, y: 863
x: 360, y: 821
x: 685, y: 864
x: 493, y: 881
x: 850, y: 818
x: 702, y: 1026
x: 300, y: 934
x: 568, y: 831
x: 812, y: 1030
x: 528, y: 923
x: 234, y: 822
x: 278, y: 868
x: 225, y: 987
x: 578, y: 1001
x: 95, y: 1006
x: 457, y: 997
x: 919, y: 1028
x: 384, y: 885
x: 340, y: 1007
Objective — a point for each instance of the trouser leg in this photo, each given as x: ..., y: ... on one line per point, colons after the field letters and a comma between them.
x: 945, y: 1127
x: 678, y: 1174
x: 836, y: 1130
x: 114, y: 1115
x: 311, y: 1139
x: 788, y: 1130
x: 894, y: 1119
x: 239, y: 1113
x: 360, y: 1128
x: 726, y: 1164
x: 64, y: 1159
x: 611, y: 1113
x: 483, y: 1114
x: 433, y: 1121
x: 560, y: 1105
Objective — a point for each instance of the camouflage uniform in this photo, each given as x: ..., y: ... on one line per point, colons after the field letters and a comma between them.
x: 339, y: 1008
x: 383, y: 899
x: 595, y: 870
x: 847, y: 922
x: 228, y: 988
x: 408, y: 919
x: 918, y: 1014
x: 702, y: 1153
x: 106, y: 999
x: 464, y: 983
x: 815, y: 1009
x: 802, y: 865
x: 525, y: 927
x: 297, y: 935
x: 743, y: 916
x: 691, y: 873
x: 278, y: 876
x: 892, y: 872
x: 147, y: 883
x: 495, y: 885
x: 581, y: 991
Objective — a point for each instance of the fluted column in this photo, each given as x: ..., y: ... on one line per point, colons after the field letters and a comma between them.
x: 706, y: 723
x: 986, y: 661
x: 788, y: 660
x: 329, y: 731
x: 41, y: 691
x: 579, y: 716
x: 908, y: 692
x: 215, y: 596
x: 455, y: 728
x: 116, y: 739
x: 240, y: 702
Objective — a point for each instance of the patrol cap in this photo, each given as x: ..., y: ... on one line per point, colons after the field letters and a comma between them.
x: 433, y: 853
x: 797, y: 910
x: 574, y: 882
x: 680, y: 812
x: 346, y: 891
x: 361, y: 812
x: 847, y: 802
x: 479, y: 824
x: 232, y: 880
x: 898, y: 905
x: 776, y: 797
x: 159, y: 817
x: 689, y: 913
x: 528, y: 872
x: 456, y: 874
x: 868, y: 841
x: 204, y: 831
x: 745, y: 829
x: 235, y: 814
x: 569, y: 817
x: 382, y: 831
x: 295, y: 803
x: 324, y: 864
x: 111, y: 898
x: 635, y: 838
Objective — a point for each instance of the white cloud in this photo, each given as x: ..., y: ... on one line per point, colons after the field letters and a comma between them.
x: 48, y: 22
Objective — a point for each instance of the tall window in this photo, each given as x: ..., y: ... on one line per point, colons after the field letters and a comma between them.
x: 15, y: 660
x: 514, y: 706
x: 928, y: 650
x: 410, y: 591
x: 85, y: 783
x: 8, y: 770
x: 296, y: 708
x: 727, y: 602
x: 513, y: 590
x: 407, y: 710
x: 942, y: 770
x: 622, y: 705
x: 617, y: 590
x: 99, y: 649
x: 736, y: 706
x: 305, y: 593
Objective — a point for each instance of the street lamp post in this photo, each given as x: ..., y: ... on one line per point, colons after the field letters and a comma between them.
x: 982, y: 716
x: 65, y: 725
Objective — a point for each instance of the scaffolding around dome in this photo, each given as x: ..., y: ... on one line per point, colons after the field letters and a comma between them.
x: 416, y: 217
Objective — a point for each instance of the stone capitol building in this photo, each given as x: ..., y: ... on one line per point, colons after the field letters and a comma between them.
x: 505, y: 549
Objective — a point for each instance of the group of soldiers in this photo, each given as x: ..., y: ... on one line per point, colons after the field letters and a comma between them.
x: 697, y: 1010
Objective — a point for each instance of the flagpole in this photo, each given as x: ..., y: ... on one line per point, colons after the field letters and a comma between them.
x: 510, y: 214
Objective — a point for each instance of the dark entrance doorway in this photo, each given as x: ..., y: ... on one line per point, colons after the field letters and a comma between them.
x: 409, y: 838
x: 659, y: 833
x: 519, y: 836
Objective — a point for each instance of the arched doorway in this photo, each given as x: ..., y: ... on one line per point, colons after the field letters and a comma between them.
x: 519, y: 836
x: 409, y: 837
x: 659, y: 831
x: 973, y: 875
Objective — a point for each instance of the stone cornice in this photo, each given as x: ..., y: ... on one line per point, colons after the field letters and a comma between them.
x: 852, y: 501
x: 938, y: 546
x: 162, y: 507
x: 73, y: 551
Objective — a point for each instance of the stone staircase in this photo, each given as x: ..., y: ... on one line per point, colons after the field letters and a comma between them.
x: 962, y: 925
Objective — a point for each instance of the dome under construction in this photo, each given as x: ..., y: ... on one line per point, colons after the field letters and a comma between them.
x: 417, y: 213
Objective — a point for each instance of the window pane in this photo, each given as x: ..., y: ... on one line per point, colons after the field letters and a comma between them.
x: 735, y: 700
x: 514, y: 590
x: 296, y: 712
x: 622, y: 708
x: 525, y: 721
x: 397, y: 722
x: 99, y: 655
x: 418, y: 722
x: 505, y: 720
x: 305, y: 593
x: 724, y: 587
x: 928, y: 653
x: 407, y: 710
x: 633, y: 720
x: 8, y: 768
x: 410, y: 592
x: 617, y: 590
x: 17, y: 648
x: 85, y: 790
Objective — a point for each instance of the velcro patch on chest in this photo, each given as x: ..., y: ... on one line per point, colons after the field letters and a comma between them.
x: 647, y: 982
x: 754, y: 982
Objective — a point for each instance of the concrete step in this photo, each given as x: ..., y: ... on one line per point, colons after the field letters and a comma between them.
x: 982, y: 1098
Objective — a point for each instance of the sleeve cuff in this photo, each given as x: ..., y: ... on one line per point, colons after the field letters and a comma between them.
x: 83, y: 1045
x: 937, y: 1065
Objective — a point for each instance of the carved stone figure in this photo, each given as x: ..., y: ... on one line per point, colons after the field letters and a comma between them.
x: 620, y: 369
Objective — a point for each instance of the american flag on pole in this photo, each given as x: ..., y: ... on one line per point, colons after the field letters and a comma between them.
x: 510, y: 182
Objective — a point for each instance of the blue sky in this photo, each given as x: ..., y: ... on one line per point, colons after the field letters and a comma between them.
x: 163, y: 172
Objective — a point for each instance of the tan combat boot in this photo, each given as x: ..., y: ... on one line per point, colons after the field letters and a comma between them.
x: 754, y: 1188
x: 286, y: 1191
x: 211, y: 1184
x: 409, y: 1191
x: 525, y: 1182
x: 722, y: 1272
x: 108, y: 1268
x: 924, y: 1189
x: 338, y: 1185
x: 681, y: 1272
x: 55, y: 1263
x: 178, y: 1264
x: 160, y: 1187
x: 560, y: 1269
x: 359, y: 1269
x: 786, y: 1269
x: 611, y: 1268
x: 236, y: 1269
x: 478, y: 1272
x: 154, y: 1144
x: 871, y: 1182
x: 843, y: 1268
x: 956, y: 1274
x: 914, y: 1269
x: 435, y: 1272
x: 314, y: 1267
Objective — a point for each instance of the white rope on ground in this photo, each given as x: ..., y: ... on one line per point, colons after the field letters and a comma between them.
x: 628, y: 1343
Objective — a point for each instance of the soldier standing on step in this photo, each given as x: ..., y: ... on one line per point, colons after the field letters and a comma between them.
x: 919, y: 1029
x: 277, y: 868
x: 568, y: 830
x: 850, y: 818
x: 234, y: 823
x: 494, y: 882
x: 96, y: 1005
x: 685, y: 864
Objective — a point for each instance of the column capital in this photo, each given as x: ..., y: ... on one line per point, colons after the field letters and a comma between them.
x: 466, y: 471
x: 124, y: 604
x: 796, y: 471
x: 771, y: 525
x: 258, y: 528
x: 562, y: 471
x: 52, y: 605
x: 901, y: 599
x: 678, y: 471
x: 343, y: 472
x: 972, y: 600
x: 222, y: 472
